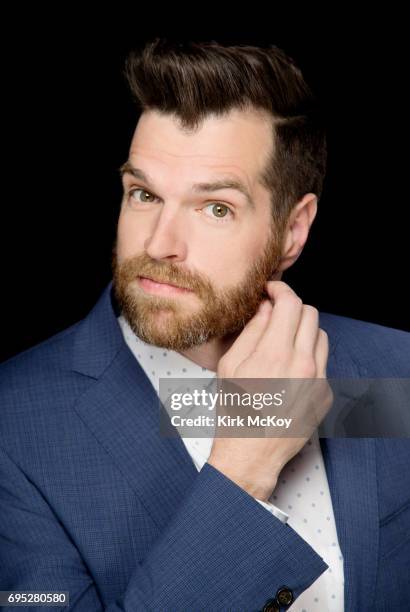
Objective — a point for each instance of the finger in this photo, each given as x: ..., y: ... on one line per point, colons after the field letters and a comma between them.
x: 284, y: 322
x: 321, y: 353
x: 249, y: 337
x: 307, y: 332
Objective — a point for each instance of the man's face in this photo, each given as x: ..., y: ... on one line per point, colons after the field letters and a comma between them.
x: 212, y: 240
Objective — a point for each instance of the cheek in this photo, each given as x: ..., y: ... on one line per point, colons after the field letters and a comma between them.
x: 221, y: 267
x: 228, y: 262
x: 129, y: 237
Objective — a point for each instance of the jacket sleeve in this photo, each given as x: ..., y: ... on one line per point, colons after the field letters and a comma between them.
x: 221, y: 551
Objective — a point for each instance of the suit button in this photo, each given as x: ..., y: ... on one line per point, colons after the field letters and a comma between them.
x: 271, y: 606
x: 284, y: 596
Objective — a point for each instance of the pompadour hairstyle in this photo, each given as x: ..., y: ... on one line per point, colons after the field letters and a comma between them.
x: 193, y: 80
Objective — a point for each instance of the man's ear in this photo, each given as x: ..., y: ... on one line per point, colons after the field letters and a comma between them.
x: 297, y: 230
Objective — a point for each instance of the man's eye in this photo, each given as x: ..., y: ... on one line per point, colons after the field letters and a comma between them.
x: 219, y: 211
x: 146, y: 196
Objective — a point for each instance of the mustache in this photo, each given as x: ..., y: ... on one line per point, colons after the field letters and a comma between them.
x: 167, y: 275
x: 133, y: 267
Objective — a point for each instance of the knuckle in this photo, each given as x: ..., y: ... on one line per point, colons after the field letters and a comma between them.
x: 308, y: 308
x: 280, y: 285
x: 323, y: 336
x: 307, y: 366
x: 289, y: 299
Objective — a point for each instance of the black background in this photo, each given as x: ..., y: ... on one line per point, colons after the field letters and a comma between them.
x: 68, y: 121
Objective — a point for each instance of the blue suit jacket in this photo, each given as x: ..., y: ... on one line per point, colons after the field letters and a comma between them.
x: 93, y: 501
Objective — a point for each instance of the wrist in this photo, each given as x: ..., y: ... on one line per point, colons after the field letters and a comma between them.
x: 259, y: 487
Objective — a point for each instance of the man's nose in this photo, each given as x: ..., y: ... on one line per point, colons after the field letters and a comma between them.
x: 167, y: 235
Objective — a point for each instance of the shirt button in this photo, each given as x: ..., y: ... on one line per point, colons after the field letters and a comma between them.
x: 284, y: 596
x: 271, y: 606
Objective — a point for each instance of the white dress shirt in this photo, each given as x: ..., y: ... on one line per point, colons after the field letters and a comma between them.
x: 301, y: 497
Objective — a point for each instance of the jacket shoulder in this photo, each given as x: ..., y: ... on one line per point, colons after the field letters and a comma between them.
x: 54, y: 349
x: 377, y: 350
x: 40, y: 376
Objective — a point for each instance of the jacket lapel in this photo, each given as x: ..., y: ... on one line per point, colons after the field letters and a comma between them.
x: 351, y: 471
x: 122, y: 410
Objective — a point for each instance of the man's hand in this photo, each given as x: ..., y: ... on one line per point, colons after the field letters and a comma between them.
x: 282, y: 340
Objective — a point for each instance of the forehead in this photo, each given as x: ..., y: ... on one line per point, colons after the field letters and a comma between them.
x: 239, y: 142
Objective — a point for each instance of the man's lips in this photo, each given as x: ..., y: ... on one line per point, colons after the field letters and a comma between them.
x: 153, y: 286
x: 162, y: 282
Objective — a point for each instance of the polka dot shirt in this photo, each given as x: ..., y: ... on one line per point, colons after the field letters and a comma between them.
x: 301, y: 497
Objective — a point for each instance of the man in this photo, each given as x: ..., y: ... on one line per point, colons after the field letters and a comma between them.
x: 221, y: 186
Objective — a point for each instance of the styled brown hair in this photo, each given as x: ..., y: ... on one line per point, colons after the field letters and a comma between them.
x: 193, y: 80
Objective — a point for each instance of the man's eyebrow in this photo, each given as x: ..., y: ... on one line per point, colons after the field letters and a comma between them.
x: 225, y: 182
x: 127, y: 168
